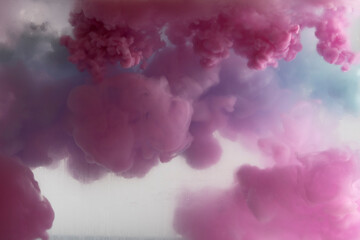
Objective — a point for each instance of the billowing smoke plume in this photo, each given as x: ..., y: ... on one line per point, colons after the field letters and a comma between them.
x: 129, y: 122
x: 25, y: 213
x: 314, y: 199
x: 129, y: 32
x: 120, y: 86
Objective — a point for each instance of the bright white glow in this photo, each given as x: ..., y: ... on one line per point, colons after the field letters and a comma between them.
x: 144, y: 207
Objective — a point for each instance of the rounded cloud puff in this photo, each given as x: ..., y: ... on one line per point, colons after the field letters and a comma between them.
x: 129, y: 122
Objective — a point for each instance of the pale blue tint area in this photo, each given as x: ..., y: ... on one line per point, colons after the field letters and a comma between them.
x: 310, y: 74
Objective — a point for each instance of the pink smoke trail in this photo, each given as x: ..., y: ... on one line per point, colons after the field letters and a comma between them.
x: 165, y: 78
x: 316, y: 199
x: 309, y: 192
